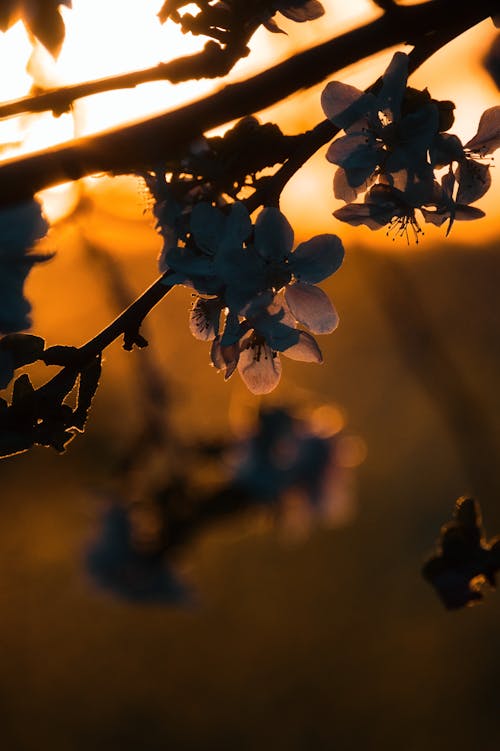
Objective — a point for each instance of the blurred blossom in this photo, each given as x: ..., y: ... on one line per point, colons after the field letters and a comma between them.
x: 300, y: 466
x: 21, y: 225
x: 118, y: 563
x: 492, y: 61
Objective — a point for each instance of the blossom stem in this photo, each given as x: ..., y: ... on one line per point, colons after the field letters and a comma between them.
x: 134, y: 147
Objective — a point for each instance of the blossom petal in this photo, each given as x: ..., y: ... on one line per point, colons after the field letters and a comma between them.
x: 204, y: 318
x: 224, y: 358
x: 273, y: 235
x: 487, y: 138
x: 306, y: 349
x: 186, y: 261
x: 344, y: 104
x: 312, y: 307
x: 358, y: 155
x: 393, y: 88
x: 317, y: 259
x: 260, y: 369
x: 356, y: 214
x: 468, y: 213
x: 238, y: 225
x: 304, y: 11
x: 445, y: 149
x: 206, y: 224
x: 344, y: 190
x: 474, y: 180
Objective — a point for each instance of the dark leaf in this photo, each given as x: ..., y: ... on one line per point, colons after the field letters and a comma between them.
x: 465, y: 562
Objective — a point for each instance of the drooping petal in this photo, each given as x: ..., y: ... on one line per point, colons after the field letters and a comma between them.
x: 468, y: 213
x: 344, y: 104
x: 474, y: 180
x: 204, y: 318
x: 311, y: 307
x: 357, y: 214
x: 487, y: 138
x: 224, y: 358
x: 206, y: 224
x: 306, y: 349
x: 273, y: 235
x: 317, y: 259
x: 259, y: 368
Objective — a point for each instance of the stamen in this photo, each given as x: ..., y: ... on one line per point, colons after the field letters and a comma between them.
x: 399, y: 225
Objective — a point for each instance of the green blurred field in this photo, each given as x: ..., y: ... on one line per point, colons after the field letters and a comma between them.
x: 336, y: 643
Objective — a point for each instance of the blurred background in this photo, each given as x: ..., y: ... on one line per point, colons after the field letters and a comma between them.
x: 329, y: 639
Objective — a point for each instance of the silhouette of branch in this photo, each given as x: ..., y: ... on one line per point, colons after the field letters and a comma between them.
x: 127, y: 324
x: 212, y: 62
x: 134, y: 147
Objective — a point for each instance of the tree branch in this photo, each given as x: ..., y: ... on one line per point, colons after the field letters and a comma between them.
x: 144, y: 144
x: 212, y: 62
x: 128, y: 321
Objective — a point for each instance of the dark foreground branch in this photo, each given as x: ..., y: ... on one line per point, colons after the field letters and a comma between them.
x: 145, y: 144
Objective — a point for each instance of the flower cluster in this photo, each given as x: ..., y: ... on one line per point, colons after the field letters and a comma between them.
x: 395, y: 138
x: 253, y: 290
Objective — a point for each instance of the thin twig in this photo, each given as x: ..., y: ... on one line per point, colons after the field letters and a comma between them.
x: 128, y: 321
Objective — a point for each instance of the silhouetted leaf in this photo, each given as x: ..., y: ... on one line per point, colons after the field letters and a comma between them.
x: 465, y: 561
